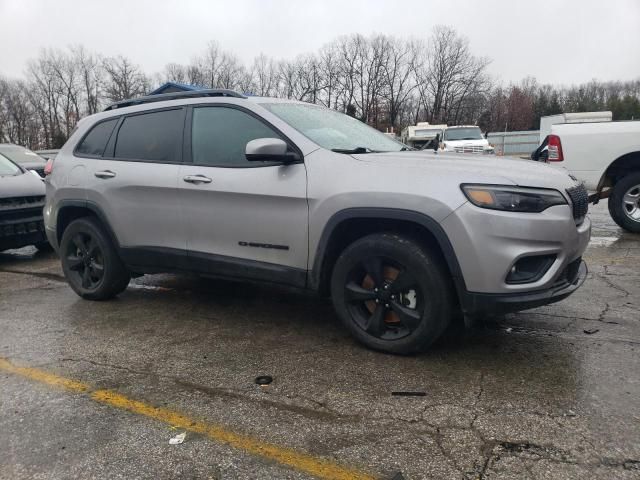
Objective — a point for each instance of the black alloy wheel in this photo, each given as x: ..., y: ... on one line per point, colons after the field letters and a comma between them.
x: 91, y: 262
x: 86, y: 260
x: 392, y: 292
x: 384, y: 299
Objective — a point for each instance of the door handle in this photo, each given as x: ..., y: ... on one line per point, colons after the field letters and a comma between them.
x: 105, y: 174
x: 197, y: 179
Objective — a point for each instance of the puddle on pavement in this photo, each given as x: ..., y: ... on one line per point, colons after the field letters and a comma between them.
x: 149, y: 287
x: 603, y: 241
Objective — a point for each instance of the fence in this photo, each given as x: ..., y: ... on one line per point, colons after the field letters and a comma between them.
x: 514, y: 143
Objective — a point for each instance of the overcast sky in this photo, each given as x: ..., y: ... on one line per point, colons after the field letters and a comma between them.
x: 558, y: 41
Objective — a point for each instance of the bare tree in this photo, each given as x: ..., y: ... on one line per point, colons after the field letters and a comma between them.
x: 398, y: 56
x: 174, y: 72
x: 381, y: 80
x: 264, y: 76
x: 91, y: 73
x: 448, y: 75
x: 123, y: 79
x: 329, y: 66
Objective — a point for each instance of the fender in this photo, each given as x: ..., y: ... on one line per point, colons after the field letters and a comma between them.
x: 388, y: 214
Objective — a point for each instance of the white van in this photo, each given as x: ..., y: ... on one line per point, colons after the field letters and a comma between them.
x: 465, y: 139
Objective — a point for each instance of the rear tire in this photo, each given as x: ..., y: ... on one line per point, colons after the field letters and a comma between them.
x: 624, y: 202
x: 392, y: 293
x: 90, y: 261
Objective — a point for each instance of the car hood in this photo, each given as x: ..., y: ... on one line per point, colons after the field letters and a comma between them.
x: 33, y: 165
x: 472, y: 168
x: 24, y: 185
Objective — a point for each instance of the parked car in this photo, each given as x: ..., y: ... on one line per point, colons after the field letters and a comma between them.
x: 296, y: 194
x: 24, y: 157
x: 465, y: 139
x: 48, y: 154
x: 605, y: 156
x: 22, y: 195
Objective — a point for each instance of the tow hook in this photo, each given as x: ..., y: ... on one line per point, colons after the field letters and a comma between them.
x: 596, y: 197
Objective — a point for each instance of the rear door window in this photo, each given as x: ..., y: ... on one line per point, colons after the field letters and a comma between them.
x: 154, y: 136
x: 96, y: 140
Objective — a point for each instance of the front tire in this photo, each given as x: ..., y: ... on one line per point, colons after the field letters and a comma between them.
x: 624, y: 202
x: 90, y: 261
x: 393, y: 294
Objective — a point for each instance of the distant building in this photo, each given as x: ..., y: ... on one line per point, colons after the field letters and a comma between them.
x: 172, y: 87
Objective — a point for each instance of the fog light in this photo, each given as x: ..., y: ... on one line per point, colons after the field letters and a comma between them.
x: 530, y: 269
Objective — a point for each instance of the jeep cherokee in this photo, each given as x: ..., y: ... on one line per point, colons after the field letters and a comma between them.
x: 287, y: 192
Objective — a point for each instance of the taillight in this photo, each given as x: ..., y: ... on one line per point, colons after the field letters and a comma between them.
x: 48, y: 168
x: 554, y: 146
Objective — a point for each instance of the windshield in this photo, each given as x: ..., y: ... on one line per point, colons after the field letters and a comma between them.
x: 465, y: 133
x: 21, y: 155
x: 8, y: 168
x: 333, y: 130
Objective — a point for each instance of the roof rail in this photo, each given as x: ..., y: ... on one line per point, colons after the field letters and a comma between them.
x: 163, y: 97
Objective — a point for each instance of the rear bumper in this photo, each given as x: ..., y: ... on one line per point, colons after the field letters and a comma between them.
x: 487, y: 303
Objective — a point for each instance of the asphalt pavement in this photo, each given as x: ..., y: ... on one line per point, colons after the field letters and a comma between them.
x: 98, y: 389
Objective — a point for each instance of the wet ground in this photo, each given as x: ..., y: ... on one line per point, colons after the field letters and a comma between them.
x: 548, y: 393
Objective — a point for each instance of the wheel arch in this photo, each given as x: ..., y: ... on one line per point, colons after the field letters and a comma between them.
x: 629, y: 162
x: 70, y: 210
x: 348, y: 225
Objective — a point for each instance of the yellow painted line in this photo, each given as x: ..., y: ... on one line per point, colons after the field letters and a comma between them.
x: 316, y: 466
x: 44, y: 377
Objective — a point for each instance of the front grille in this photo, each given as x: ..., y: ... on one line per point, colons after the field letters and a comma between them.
x: 469, y: 149
x: 21, y: 215
x: 580, y: 200
x: 17, y: 203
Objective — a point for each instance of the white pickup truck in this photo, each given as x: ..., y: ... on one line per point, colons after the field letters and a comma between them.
x: 606, y: 157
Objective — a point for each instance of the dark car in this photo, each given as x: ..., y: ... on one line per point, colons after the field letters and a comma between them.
x: 24, y: 157
x: 22, y: 195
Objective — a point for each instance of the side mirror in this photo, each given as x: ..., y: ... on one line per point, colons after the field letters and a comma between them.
x: 268, y: 150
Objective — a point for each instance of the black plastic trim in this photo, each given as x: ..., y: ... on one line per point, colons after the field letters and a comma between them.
x: 495, y: 303
x: 546, y: 261
x: 388, y: 214
x: 160, y: 259
x: 92, y: 207
x: 163, y: 97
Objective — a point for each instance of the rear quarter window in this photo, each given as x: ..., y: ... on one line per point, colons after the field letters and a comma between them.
x: 96, y: 140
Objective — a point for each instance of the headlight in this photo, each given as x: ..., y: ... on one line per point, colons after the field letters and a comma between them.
x: 513, y: 199
x: 488, y: 150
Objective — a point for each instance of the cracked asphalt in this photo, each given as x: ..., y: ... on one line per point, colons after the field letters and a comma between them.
x: 547, y: 393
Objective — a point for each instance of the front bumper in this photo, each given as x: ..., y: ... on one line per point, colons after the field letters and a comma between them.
x: 487, y: 243
x: 488, y: 303
x: 20, y: 232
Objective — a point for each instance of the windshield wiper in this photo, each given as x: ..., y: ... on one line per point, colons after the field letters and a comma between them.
x: 353, y: 150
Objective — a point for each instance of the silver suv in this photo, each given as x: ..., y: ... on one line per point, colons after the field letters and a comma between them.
x: 286, y: 192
